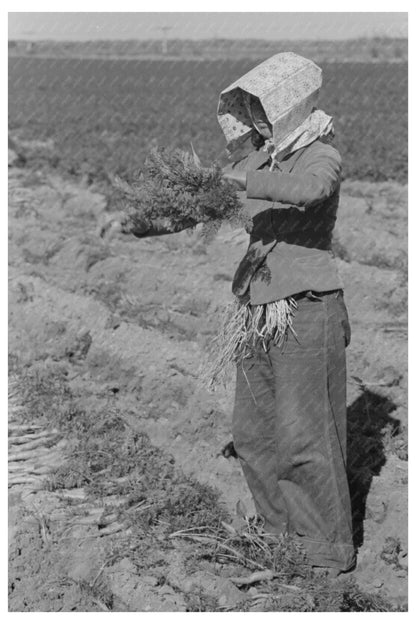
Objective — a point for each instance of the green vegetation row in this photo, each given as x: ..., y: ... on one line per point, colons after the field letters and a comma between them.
x: 362, y: 49
x: 102, y: 117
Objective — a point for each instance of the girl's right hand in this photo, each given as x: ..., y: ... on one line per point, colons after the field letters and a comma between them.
x: 121, y: 222
x: 111, y: 224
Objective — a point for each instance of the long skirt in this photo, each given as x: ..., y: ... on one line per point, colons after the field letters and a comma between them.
x: 289, y: 431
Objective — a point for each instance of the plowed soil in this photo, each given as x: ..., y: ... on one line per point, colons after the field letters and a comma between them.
x: 116, y: 331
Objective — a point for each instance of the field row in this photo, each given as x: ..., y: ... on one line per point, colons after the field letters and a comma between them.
x: 102, y: 116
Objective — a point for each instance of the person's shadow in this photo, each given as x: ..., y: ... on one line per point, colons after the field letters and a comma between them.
x: 367, y: 417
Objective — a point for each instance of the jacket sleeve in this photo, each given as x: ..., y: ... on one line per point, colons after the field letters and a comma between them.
x: 307, y: 186
x: 158, y: 227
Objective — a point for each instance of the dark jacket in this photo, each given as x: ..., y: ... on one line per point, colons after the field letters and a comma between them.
x: 290, y: 245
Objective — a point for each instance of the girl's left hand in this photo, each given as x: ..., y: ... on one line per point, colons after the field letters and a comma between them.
x: 237, y: 178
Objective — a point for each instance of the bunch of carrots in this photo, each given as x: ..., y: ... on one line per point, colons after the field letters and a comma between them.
x: 173, y: 186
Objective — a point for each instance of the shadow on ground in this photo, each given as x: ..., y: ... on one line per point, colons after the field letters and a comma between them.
x: 368, y: 423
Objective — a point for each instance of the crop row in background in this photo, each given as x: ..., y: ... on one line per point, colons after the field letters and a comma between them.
x: 102, y: 116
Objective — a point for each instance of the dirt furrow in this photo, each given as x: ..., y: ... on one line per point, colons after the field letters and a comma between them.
x: 122, y: 328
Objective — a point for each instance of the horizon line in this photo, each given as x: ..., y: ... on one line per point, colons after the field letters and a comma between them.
x: 237, y: 39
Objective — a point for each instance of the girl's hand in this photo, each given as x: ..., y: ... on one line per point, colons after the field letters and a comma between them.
x: 111, y: 224
x: 122, y: 222
x: 237, y: 178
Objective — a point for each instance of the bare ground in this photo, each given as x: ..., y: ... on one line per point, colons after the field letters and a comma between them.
x: 105, y: 344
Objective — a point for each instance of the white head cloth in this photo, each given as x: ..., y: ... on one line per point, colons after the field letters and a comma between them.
x: 317, y: 124
x: 287, y: 86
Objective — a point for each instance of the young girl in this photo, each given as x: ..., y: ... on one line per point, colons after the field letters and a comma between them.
x: 289, y: 419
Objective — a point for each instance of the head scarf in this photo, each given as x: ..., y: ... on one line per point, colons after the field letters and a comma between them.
x: 287, y: 86
x: 317, y: 124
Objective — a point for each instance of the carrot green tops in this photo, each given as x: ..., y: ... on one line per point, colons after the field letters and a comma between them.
x: 296, y: 205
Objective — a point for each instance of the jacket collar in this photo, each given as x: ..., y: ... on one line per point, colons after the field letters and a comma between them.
x: 256, y: 159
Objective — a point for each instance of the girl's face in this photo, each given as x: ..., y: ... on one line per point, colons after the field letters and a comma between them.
x: 259, y: 119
